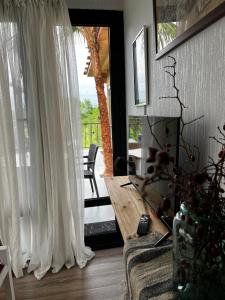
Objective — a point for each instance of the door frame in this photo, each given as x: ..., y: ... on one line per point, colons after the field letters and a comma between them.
x: 113, y: 20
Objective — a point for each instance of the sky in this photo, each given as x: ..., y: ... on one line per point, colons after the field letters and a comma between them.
x: 86, y: 84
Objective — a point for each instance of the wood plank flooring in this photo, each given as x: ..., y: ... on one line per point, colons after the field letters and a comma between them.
x: 102, y: 279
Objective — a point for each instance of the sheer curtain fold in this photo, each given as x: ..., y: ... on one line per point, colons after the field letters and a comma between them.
x: 41, y: 179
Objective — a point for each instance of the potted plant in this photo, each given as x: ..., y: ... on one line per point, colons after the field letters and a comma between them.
x: 199, y: 225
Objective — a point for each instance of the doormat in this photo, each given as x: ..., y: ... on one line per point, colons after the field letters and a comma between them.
x: 99, y: 228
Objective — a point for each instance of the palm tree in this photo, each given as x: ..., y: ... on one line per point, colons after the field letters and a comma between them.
x: 91, y: 36
x: 166, y: 34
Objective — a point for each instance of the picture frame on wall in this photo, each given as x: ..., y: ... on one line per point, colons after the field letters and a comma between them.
x: 178, y: 20
x: 140, y: 65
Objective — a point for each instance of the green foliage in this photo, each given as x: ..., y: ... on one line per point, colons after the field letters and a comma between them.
x: 167, y: 32
x: 135, y: 129
x: 90, y: 118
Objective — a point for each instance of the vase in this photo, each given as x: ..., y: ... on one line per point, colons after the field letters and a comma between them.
x: 199, y: 258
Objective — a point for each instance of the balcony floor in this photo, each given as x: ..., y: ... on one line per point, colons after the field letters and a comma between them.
x: 98, y: 213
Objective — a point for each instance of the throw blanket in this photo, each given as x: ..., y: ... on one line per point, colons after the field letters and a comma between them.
x: 148, y: 269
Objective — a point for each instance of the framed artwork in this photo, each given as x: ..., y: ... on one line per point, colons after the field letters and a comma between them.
x: 140, y: 63
x: 178, y: 20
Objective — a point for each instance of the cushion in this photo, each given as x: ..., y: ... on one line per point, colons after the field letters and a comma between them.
x: 149, y: 271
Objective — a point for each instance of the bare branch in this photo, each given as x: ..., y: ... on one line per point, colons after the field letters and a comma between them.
x: 172, y: 75
x: 220, y: 131
x: 168, y: 97
x: 215, y: 139
x: 192, y: 121
x: 150, y: 127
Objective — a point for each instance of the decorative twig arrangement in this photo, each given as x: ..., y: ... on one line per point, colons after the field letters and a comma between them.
x: 199, y: 227
x: 199, y: 189
x: 184, y: 144
x: 160, y: 157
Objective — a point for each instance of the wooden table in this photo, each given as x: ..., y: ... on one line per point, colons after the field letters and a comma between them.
x: 129, y: 206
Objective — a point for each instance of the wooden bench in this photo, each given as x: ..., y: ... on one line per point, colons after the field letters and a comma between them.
x: 142, y: 274
x: 129, y: 206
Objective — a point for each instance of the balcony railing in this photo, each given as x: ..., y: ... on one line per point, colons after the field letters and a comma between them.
x: 91, y: 134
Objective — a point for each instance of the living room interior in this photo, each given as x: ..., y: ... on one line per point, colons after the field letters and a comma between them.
x: 196, y: 88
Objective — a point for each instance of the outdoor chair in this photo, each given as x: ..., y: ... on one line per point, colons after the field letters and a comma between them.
x: 89, y: 172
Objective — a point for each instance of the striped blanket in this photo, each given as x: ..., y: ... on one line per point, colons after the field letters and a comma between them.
x: 148, y: 269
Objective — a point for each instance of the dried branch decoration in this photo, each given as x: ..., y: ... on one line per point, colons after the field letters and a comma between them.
x: 184, y: 144
x: 199, y: 226
x: 196, y: 187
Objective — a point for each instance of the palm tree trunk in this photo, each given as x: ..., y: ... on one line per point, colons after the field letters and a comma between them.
x: 91, y: 36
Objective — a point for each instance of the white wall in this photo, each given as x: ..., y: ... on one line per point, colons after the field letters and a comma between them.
x: 200, y: 75
x: 96, y: 4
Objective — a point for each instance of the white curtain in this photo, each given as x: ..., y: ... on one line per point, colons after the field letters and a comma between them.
x: 41, y: 175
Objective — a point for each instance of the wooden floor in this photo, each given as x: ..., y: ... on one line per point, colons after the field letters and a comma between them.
x: 102, y: 279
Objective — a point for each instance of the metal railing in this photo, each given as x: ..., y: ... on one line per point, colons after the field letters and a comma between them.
x: 91, y: 134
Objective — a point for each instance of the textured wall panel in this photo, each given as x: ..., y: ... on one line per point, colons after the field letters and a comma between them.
x: 200, y: 76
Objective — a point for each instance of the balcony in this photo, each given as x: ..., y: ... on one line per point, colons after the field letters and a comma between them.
x: 91, y: 133
x: 99, y: 170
